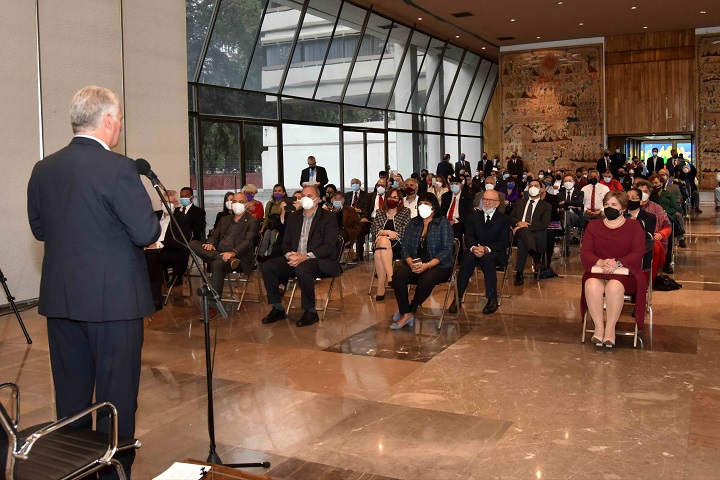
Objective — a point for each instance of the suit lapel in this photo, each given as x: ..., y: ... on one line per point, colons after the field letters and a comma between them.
x: 314, y: 223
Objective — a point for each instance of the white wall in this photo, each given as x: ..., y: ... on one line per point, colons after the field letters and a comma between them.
x: 136, y: 48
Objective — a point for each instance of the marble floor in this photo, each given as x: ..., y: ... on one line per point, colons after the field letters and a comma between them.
x: 513, y: 395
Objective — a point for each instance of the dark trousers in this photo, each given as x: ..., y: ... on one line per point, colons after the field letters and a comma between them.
x: 426, y: 282
x: 218, y: 267
x: 529, y: 242
x: 156, y: 273
x: 488, y: 263
x: 103, y: 357
x: 572, y: 219
x: 458, y: 230
x: 177, y: 257
x: 276, y: 269
x: 552, y: 235
x: 360, y: 243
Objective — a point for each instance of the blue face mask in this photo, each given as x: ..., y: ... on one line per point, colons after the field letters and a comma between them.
x: 355, y: 187
x: 524, y: 176
x: 511, y: 186
x: 396, y: 184
x: 337, y: 204
x: 185, y: 202
x: 489, y: 211
x: 506, y: 176
x: 455, y: 188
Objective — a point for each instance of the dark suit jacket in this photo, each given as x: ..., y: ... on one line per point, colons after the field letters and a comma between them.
x: 540, y: 217
x: 321, y: 242
x: 649, y: 221
x: 577, y: 197
x: 465, y: 204
x: 363, y: 202
x: 245, y: 240
x: 618, y: 160
x: 445, y: 169
x: 350, y: 223
x: 194, y: 219
x: 494, y: 235
x: 553, y: 201
x: 320, y: 177
x: 515, y: 167
x: 90, y: 208
x: 462, y: 165
x: 486, y: 166
x: 654, y: 166
x: 601, y: 166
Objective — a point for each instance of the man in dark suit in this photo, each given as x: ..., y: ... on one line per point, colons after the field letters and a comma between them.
x: 314, y: 176
x: 190, y: 214
x: 571, y: 201
x: 487, y: 235
x: 515, y: 166
x: 530, y: 218
x: 461, y: 165
x: 485, y: 165
x: 191, y: 219
x: 347, y: 218
x: 655, y: 163
x: 156, y: 255
x: 456, y: 205
x: 605, y: 163
x: 618, y: 160
x: 310, y: 252
x: 231, y: 245
x: 359, y: 200
x: 90, y: 208
x: 445, y: 168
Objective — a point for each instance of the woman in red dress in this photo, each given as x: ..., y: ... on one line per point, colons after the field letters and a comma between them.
x: 609, y: 243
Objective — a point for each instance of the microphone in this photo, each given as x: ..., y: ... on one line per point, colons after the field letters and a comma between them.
x: 143, y: 168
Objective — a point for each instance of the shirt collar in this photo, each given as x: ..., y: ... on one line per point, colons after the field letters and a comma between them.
x: 104, y: 145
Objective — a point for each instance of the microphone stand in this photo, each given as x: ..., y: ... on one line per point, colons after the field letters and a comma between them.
x: 11, y: 300
x: 204, y: 291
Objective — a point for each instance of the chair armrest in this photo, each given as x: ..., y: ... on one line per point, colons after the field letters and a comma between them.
x: 15, y: 400
x: 24, y: 451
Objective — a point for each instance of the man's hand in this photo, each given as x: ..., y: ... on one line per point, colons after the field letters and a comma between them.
x: 296, y: 259
x: 478, y: 251
x: 364, y: 220
x: 208, y: 246
x: 227, y: 256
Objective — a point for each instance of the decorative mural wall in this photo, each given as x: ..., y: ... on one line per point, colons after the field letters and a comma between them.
x: 553, y: 105
x: 708, y: 109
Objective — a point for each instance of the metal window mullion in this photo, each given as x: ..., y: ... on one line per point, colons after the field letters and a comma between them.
x: 294, y: 45
x: 413, y: 89
x: 399, y: 70
x: 437, y: 71
x: 481, y: 92
x: 255, y: 44
x: 489, y: 99
x: 472, y: 84
x: 327, y: 50
x: 199, y: 170
x: 206, y: 43
x: 452, y: 85
x: 377, y: 69
x: 241, y: 143
x: 357, y: 52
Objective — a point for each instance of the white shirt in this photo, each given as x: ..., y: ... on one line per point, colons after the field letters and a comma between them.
x: 527, y: 205
x: 104, y: 145
x: 164, y: 222
x: 187, y: 209
x: 456, y: 213
x: 600, y: 191
x: 377, y: 201
x: 412, y: 206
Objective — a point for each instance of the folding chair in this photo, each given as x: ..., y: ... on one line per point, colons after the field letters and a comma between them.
x: 340, y: 246
x: 56, y: 450
x: 451, y: 283
x: 234, y: 279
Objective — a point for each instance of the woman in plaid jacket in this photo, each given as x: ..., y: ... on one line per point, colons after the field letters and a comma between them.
x: 388, y: 230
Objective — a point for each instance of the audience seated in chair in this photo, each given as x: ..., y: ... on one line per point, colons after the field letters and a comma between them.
x: 310, y: 252
x: 593, y: 194
x: 359, y: 200
x: 388, y: 230
x: 663, y: 228
x: 254, y: 206
x: 614, y: 242
x: 648, y: 222
x: 456, y: 205
x: 487, y: 235
x: 227, y: 208
x: 157, y: 256
x: 490, y: 184
x: 348, y: 220
x: 427, y: 251
x: 571, y: 201
x: 529, y: 219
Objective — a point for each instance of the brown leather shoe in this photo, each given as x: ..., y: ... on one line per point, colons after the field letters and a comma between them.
x: 235, y: 263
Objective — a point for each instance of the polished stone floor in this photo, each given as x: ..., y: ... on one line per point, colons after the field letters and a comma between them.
x: 514, y: 395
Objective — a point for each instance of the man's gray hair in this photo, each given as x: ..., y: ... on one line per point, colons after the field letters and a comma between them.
x: 89, y: 107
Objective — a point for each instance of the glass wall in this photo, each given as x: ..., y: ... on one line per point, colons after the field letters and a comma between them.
x: 274, y: 81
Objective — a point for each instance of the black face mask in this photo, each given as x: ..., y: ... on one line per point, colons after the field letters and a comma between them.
x: 633, y: 205
x: 593, y: 181
x: 558, y: 177
x: 611, y: 213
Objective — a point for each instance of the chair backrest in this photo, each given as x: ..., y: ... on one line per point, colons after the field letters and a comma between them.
x: 340, y: 247
x: 8, y: 443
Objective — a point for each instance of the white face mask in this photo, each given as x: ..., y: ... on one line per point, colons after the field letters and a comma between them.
x: 489, y: 211
x: 645, y: 197
x: 380, y: 190
x: 534, y: 191
x: 172, y: 207
x: 541, y: 176
x: 438, y: 184
x: 228, y: 204
x: 489, y: 186
x: 607, y: 179
x: 238, y: 208
x: 424, y: 210
x: 569, y: 185
x: 307, y: 203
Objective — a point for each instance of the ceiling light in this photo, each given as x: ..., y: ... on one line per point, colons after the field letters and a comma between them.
x: 538, y: 38
x: 581, y: 24
x: 703, y: 11
x: 419, y: 18
x: 483, y: 48
x: 559, y: 3
x: 644, y: 27
x: 457, y: 36
x: 633, y: 8
x: 512, y: 19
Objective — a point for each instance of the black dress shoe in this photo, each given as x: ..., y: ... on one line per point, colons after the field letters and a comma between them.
x: 518, y: 280
x: 158, y: 306
x: 380, y: 297
x: 454, y: 307
x: 491, y: 306
x: 682, y: 243
x: 235, y: 263
x: 668, y: 269
x: 274, y: 315
x: 308, y: 319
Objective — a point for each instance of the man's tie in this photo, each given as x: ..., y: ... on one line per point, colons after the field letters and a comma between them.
x: 381, y: 202
x: 487, y: 218
x: 183, y: 210
x: 592, y: 199
x: 529, y: 212
x: 451, y: 212
x: 355, y: 200
x: 567, y: 198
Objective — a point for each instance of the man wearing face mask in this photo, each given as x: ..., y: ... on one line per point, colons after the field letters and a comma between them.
x: 648, y: 221
x: 310, y: 252
x: 530, y: 218
x: 625, y: 179
x: 359, y: 200
x: 190, y: 214
x: 192, y: 224
x: 674, y: 162
x: 231, y: 245
x: 347, y: 219
x: 445, y: 168
x: 515, y: 166
x: 377, y: 198
x: 611, y: 182
x: 487, y: 234
x: 411, y: 196
x: 455, y: 205
x: 571, y: 201
x: 618, y: 160
x: 461, y: 166
x: 157, y: 257
x: 655, y: 163
x: 485, y: 165
x: 605, y: 163
x: 593, y: 194
x: 314, y: 176
x: 490, y: 184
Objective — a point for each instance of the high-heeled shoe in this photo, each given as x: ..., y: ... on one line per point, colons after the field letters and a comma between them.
x: 608, y: 343
x: 598, y: 341
x: 409, y: 323
x: 396, y: 316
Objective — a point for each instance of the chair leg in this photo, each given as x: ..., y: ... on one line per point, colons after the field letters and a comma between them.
x: 242, y: 296
x: 372, y: 279
x: 292, y: 295
x: 444, y: 307
x: 584, y: 326
x: 119, y: 469
x: 327, y: 299
x: 502, y: 288
x: 169, y: 291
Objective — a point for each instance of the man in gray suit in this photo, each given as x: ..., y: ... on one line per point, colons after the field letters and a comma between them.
x: 90, y: 208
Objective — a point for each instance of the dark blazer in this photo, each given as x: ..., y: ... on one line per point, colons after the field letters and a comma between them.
x: 245, y: 240
x: 494, y: 235
x: 601, y: 166
x: 90, y: 208
x: 540, y: 217
x: 648, y: 221
x: 515, y: 167
x: 350, y: 223
x: 194, y: 219
x: 465, y: 204
x: 320, y: 177
x: 553, y: 201
x: 486, y: 166
x: 363, y: 202
x: 577, y: 198
x: 322, y: 239
x: 654, y: 166
x: 445, y: 169
x: 618, y: 160
x: 462, y: 165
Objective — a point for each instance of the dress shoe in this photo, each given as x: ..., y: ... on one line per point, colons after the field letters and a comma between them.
x: 307, y: 319
x: 454, y: 307
x: 608, y: 343
x: 409, y: 323
x: 668, y: 269
x: 380, y: 298
x: 682, y: 243
x: 697, y: 210
x: 597, y: 340
x: 518, y: 280
x: 235, y: 263
x: 274, y: 315
x: 158, y: 306
x: 491, y: 306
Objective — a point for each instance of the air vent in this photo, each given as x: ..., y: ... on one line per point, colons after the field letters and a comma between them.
x: 462, y: 14
x: 505, y: 39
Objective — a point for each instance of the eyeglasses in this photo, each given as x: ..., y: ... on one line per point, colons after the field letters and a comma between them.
x: 239, y: 201
x: 489, y: 200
